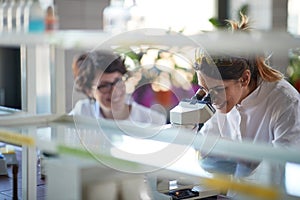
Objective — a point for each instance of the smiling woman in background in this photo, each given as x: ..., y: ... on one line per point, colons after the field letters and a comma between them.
x: 99, y: 75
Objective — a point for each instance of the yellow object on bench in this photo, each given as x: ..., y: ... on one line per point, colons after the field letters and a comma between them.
x: 10, y: 155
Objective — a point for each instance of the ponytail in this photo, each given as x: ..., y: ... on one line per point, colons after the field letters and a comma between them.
x: 261, y: 69
x: 267, y: 73
x: 240, y: 26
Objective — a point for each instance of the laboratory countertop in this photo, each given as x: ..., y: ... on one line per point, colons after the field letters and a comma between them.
x: 130, y: 147
x: 140, y: 143
x: 136, y: 142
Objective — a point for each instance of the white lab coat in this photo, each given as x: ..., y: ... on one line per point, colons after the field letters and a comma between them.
x: 270, y: 114
x: 139, y: 113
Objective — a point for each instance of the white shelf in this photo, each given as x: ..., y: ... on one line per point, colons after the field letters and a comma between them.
x: 212, y: 41
x: 63, y: 39
x: 79, y: 138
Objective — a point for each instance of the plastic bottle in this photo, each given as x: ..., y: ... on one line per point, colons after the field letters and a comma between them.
x: 34, y: 17
x: 115, y: 17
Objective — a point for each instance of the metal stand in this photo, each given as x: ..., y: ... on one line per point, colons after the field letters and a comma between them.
x: 15, y: 170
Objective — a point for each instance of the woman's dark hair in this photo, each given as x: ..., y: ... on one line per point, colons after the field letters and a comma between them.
x: 86, y: 65
x: 226, y: 67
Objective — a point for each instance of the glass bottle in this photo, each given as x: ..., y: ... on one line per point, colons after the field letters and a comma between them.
x: 51, y: 19
x: 11, y: 15
x: 137, y: 18
x: 2, y: 4
x: 20, y: 16
x: 115, y: 17
x: 3, y: 16
x: 34, y: 17
x: 26, y: 15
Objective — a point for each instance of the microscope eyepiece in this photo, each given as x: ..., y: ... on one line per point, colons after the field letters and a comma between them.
x: 207, y: 98
x: 199, y: 95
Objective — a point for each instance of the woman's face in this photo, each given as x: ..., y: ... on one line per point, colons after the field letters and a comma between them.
x: 225, y: 94
x: 109, y: 90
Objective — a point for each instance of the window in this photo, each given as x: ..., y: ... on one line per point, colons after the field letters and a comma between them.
x: 260, y: 12
x: 294, y: 16
x: 189, y: 16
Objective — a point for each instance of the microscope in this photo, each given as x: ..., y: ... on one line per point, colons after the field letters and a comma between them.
x: 194, y: 111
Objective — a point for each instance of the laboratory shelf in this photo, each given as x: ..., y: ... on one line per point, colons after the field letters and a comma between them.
x: 96, y: 144
x: 64, y: 129
x: 9, y: 111
x: 211, y: 41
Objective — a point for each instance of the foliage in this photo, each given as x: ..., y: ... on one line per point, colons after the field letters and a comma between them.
x: 244, y: 9
x: 293, y: 70
x: 161, y: 68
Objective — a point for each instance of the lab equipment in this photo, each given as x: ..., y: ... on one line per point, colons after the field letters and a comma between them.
x: 196, y: 110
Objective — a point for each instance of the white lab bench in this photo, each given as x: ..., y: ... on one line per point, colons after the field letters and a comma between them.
x: 54, y: 133
x: 90, y: 148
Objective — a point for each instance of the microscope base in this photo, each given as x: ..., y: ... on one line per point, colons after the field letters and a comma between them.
x: 191, y: 192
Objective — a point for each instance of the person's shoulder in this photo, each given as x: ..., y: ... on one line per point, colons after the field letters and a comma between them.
x: 286, y: 90
x: 83, y: 103
x: 281, y: 93
x: 81, y: 107
x: 141, y: 109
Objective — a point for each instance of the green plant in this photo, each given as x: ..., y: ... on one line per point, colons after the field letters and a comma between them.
x: 163, y: 69
x: 293, y: 69
x: 244, y: 9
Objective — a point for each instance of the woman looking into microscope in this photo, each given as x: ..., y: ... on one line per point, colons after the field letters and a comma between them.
x: 254, y: 103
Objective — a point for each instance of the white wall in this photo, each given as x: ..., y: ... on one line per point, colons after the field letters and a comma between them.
x: 80, y: 14
x: 77, y: 14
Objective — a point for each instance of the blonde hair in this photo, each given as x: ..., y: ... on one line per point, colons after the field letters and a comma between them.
x: 243, y: 25
x: 265, y: 72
